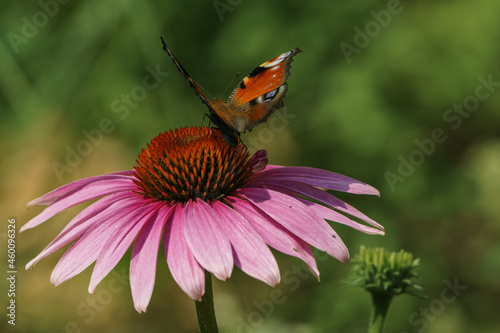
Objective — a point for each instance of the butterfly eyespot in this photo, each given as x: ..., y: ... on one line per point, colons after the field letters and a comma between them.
x: 270, y: 95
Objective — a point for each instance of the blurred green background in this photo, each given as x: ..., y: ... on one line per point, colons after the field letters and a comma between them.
x: 402, y: 95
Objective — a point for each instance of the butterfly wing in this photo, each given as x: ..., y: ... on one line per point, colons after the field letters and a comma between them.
x: 259, y: 94
x: 229, y: 134
x: 193, y: 84
x: 253, y: 100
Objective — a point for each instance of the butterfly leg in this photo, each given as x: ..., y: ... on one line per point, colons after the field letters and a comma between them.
x: 203, y: 119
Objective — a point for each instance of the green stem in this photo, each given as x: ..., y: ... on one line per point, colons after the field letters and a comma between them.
x: 381, y: 304
x: 205, y: 308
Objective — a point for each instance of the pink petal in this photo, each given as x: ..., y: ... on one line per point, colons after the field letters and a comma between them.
x: 323, y: 197
x: 298, y: 219
x: 274, y: 234
x: 119, y: 242
x: 96, y: 213
x: 319, y: 178
x: 90, y: 191
x: 186, y: 271
x: 250, y: 252
x: 259, y: 160
x: 54, y: 195
x: 272, y: 167
x: 85, y: 250
x: 331, y: 215
x: 145, y: 257
x: 206, y: 239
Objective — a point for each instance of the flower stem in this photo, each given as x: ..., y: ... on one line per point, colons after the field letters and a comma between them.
x: 381, y: 302
x: 205, y: 308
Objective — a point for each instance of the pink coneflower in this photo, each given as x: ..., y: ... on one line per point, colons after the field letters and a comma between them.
x: 213, y: 206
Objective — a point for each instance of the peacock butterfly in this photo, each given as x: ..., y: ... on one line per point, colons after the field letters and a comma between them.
x: 253, y: 100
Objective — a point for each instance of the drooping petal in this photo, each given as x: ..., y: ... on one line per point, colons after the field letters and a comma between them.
x: 116, y: 246
x: 293, y: 188
x: 145, y: 257
x: 331, y: 215
x: 298, y: 219
x: 259, y: 160
x: 85, y: 250
x: 185, y: 270
x: 88, y: 192
x: 59, y: 192
x: 206, y: 239
x: 323, y: 197
x: 251, y: 254
x: 319, y: 178
x: 275, y: 235
x: 96, y: 213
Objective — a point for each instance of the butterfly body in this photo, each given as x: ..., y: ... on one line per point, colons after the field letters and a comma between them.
x: 253, y: 100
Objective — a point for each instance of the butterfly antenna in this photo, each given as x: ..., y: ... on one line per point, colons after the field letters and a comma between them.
x: 230, y: 83
x: 205, y: 90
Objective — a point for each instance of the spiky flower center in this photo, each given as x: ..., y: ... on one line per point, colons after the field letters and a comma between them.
x: 192, y: 162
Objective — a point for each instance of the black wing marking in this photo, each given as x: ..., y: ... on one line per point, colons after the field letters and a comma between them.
x: 193, y: 84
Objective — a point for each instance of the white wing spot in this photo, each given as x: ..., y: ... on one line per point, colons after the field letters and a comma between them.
x: 279, y: 59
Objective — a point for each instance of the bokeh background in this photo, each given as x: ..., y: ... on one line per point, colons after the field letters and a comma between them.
x: 375, y: 80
